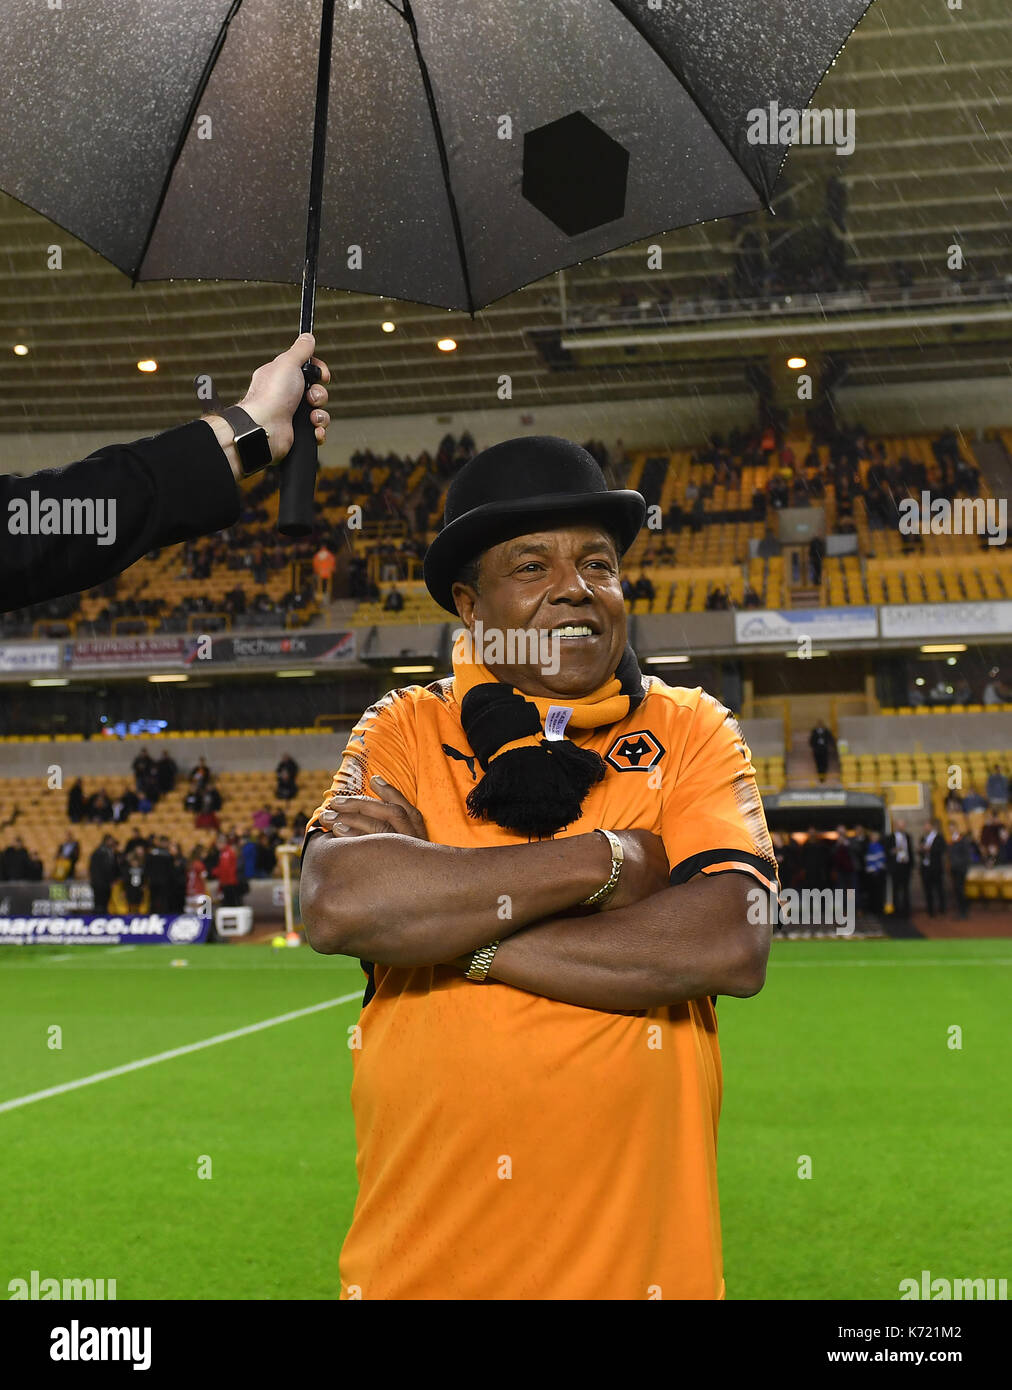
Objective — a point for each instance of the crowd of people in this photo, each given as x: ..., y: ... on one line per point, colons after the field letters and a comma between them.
x: 867, y: 863
x: 149, y: 868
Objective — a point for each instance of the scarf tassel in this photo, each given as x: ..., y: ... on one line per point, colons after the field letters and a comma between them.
x: 536, y: 791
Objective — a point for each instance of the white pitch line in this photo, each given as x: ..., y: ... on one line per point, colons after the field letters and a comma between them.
x: 810, y: 964
x: 175, y: 1052
x: 113, y: 949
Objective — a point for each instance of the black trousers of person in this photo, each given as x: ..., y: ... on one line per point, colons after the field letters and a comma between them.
x: 934, y: 890
x: 231, y: 896
x: 959, y: 890
x: 821, y: 760
x: 100, y: 892
x: 875, y: 900
x: 901, y: 890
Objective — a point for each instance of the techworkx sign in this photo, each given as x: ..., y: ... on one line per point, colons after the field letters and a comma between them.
x: 220, y: 649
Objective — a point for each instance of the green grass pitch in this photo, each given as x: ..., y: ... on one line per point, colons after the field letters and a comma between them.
x: 843, y: 1058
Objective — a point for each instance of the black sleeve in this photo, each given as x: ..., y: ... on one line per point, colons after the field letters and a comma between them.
x: 154, y: 492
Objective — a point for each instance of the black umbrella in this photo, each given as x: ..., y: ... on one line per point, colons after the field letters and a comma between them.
x: 452, y: 151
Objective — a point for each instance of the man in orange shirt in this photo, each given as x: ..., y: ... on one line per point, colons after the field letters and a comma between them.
x: 324, y: 565
x: 546, y: 864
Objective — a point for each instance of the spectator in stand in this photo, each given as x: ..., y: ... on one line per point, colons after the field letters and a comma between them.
x: 279, y: 820
x: 200, y: 774
x: 258, y: 563
x: 75, y: 803
x: 135, y: 841
x: 299, y: 822
x: 196, y: 875
x: 394, y: 601
x: 66, y: 857
x: 643, y: 588
x: 227, y: 872
x: 932, y: 859
x: 142, y: 766
x: 265, y: 856
x: 262, y: 818
x: 997, y: 787
x: 324, y: 565
x: 973, y: 801
x: 287, y: 772
x: 875, y: 869
x: 821, y: 743
x: 954, y: 802
x: 996, y: 692
x: 751, y: 599
x: 177, y: 878
x: 816, y: 552
x: 99, y: 807
x: 150, y: 787
x: 960, y: 859
x: 166, y: 773
x: 899, y: 859
x: 130, y: 891
x: 103, y: 869
x: 990, y: 839
x: 248, y: 857
x: 206, y: 817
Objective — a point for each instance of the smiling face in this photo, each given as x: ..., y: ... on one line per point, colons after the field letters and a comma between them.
x: 566, y: 579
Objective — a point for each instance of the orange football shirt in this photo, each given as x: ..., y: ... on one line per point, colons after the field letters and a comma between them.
x: 511, y: 1146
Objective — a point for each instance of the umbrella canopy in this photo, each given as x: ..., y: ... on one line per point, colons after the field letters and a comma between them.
x: 471, y: 148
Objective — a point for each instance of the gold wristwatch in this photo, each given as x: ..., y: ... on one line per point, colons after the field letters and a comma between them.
x: 617, y: 856
x: 481, y: 962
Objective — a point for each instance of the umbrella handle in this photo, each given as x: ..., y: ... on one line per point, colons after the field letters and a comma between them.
x: 299, y: 467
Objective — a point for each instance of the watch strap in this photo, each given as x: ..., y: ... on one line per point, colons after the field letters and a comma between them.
x: 617, y: 858
x: 252, y: 442
x: 481, y: 962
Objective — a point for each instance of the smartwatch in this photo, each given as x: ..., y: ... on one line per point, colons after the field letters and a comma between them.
x: 252, y: 442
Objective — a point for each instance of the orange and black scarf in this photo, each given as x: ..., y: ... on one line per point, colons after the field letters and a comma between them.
x: 535, y: 778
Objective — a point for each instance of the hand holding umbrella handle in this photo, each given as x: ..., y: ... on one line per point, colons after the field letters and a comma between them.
x: 300, y: 466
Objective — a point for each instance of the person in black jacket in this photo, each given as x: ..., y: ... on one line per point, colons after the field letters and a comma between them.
x: 931, y: 853
x: 103, y: 868
x: 75, y: 803
x: 820, y: 740
x: 157, y: 491
x: 899, y: 863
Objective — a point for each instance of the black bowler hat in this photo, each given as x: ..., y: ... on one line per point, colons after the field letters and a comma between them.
x: 526, y: 484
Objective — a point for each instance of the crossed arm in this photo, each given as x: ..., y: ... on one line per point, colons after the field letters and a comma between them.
x: 390, y: 896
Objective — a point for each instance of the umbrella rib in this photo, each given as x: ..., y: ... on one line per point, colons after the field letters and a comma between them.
x: 444, y: 162
x: 759, y: 192
x: 183, y: 133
